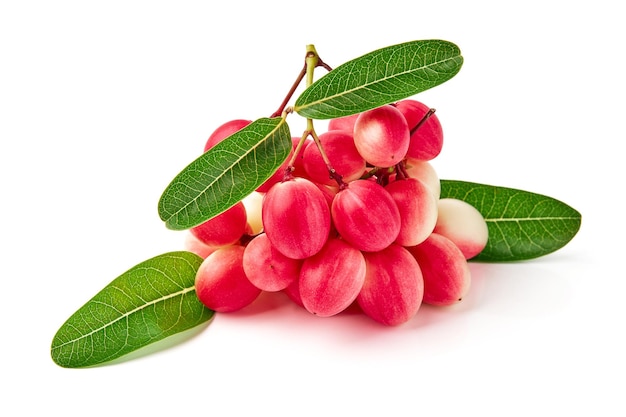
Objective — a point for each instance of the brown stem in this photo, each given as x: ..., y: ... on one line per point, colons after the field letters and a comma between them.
x: 323, y: 64
x: 291, y: 166
x: 296, y: 83
x: 401, y: 172
x: 429, y: 113
x: 331, y: 171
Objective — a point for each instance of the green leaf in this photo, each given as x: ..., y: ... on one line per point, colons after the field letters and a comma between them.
x: 522, y: 225
x: 225, y: 174
x: 149, y: 302
x: 380, y: 77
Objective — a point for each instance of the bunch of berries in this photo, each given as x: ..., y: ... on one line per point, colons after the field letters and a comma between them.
x: 354, y: 216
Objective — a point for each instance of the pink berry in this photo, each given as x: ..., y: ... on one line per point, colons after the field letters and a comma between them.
x: 329, y: 191
x: 343, y: 123
x: 267, y: 268
x: 381, y: 136
x: 463, y: 224
x: 444, y: 269
x: 425, y: 172
x: 418, y: 210
x: 225, y: 228
x: 293, y: 292
x: 195, y: 245
x: 225, y: 130
x: 427, y: 139
x: 365, y: 215
x: 393, y: 288
x: 331, y: 279
x: 221, y: 283
x: 343, y: 156
x: 296, y: 218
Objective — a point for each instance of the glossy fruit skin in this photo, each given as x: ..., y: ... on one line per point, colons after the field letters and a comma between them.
x: 267, y: 268
x: 445, y: 270
x: 463, y: 224
x: 381, y: 136
x: 221, y: 283
x: 225, y: 130
x: 253, y: 203
x: 418, y: 210
x: 293, y: 292
x: 427, y: 141
x: 366, y: 215
x: 195, y: 245
x: 343, y: 156
x: 343, y: 123
x: 331, y: 279
x: 225, y: 228
x: 296, y: 218
x: 425, y: 172
x: 394, y: 287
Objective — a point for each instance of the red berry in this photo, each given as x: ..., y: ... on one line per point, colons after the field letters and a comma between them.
x: 427, y: 139
x: 296, y: 218
x: 444, y: 269
x: 393, y: 288
x: 225, y: 130
x: 266, y: 267
x: 418, y: 210
x: 381, y: 136
x: 366, y: 215
x: 221, y: 283
x: 225, y: 228
x: 341, y: 151
x: 331, y: 279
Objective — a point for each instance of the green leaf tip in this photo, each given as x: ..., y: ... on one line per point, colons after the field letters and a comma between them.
x: 522, y: 225
x: 380, y: 77
x: 149, y: 302
x: 225, y: 174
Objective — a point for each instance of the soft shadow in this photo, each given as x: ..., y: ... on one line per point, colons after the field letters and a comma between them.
x: 529, y: 288
x: 160, y: 346
x: 265, y: 303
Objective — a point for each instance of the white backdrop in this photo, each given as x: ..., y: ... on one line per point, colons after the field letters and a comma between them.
x: 101, y: 104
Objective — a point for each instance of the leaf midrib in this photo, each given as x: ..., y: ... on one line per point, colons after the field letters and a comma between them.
x: 529, y: 219
x: 184, y: 207
x: 379, y: 80
x: 127, y: 314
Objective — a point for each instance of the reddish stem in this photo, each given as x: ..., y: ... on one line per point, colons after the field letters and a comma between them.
x: 296, y: 83
x: 292, y: 90
x: 429, y: 113
x: 401, y: 172
x: 331, y: 171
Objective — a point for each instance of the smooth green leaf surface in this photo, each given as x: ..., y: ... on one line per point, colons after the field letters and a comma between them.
x: 225, y: 174
x: 149, y: 302
x: 380, y: 77
x: 522, y: 225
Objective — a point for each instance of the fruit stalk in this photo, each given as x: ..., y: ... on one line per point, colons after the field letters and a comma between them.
x: 429, y: 113
x: 312, y: 60
x: 311, y: 54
